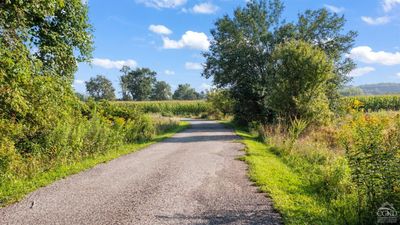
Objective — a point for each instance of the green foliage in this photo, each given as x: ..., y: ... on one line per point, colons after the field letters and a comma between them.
x: 95, y: 130
x: 291, y: 183
x: 137, y: 84
x: 185, y: 92
x: 349, y: 169
x: 373, y: 152
x: 100, y: 88
x: 221, y: 104
x: 240, y: 53
x: 300, y: 82
x: 53, y: 29
x: 161, y: 91
x: 15, y: 187
x: 297, y: 126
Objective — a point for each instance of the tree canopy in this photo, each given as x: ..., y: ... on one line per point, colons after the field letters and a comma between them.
x: 161, y: 91
x: 100, y: 88
x: 41, y: 42
x: 185, y: 92
x: 53, y: 31
x: 240, y: 56
x: 300, y: 77
x: 137, y: 84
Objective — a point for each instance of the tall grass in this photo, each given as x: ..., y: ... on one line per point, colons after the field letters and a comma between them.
x: 98, y: 129
x: 350, y: 168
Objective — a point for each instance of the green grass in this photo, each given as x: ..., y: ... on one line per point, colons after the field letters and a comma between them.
x: 18, y: 188
x: 290, y: 193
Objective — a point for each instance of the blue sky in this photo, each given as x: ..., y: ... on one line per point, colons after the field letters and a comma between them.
x: 168, y: 36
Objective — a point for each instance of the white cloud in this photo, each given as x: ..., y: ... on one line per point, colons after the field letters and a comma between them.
x: 376, y: 21
x: 398, y: 74
x: 367, y: 55
x: 205, y: 8
x: 334, y: 9
x: 193, y: 66
x: 169, y: 72
x: 361, y: 71
x: 388, y: 5
x: 110, y: 64
x: 162, y: 3
x: 79, y: 82
x: 160, y: 29
x: 190, y: 39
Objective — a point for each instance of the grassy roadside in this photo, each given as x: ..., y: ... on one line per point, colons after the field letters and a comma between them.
x: 290, y: 193
x: 15, y: 191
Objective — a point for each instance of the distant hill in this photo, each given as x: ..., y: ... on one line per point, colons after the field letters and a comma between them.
x: 381, y: 88
x: 372, y: 89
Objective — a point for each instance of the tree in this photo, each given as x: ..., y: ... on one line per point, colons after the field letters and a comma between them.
x: 100, y: 88
x: 161, y: 91
x: 240, y: 55
x: 300, y: 82
x: 53, y: 30
x: 41, y: 42
x: 221, y: 102
x: 137, y: 84
x: 126, y: 96
x: 185, y: 92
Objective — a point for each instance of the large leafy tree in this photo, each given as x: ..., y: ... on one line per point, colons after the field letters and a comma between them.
x: 240, y: 55
x: 100, y: 88
x: 137, y: 84
x: 56, y: 32
x: 161, y: 91
x: 41, y: 42
x: 185, y: 92
x: 40, y: 38
x: 300, y: 75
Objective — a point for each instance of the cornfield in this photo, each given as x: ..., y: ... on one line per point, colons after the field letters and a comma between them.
x: 372, y: 103
x: 176, y: 108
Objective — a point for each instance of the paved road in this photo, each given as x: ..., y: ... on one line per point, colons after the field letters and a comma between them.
x: 191, y: 178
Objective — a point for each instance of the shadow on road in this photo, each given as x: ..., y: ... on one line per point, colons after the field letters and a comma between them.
x: 197, y: 138
x: 212, y: 132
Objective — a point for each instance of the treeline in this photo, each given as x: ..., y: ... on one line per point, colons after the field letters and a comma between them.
x: 139, y: 84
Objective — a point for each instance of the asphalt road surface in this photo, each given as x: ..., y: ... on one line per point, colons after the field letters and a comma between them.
x: 191, y: 178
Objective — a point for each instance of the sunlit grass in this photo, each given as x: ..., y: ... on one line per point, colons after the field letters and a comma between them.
x: 290, y: 193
